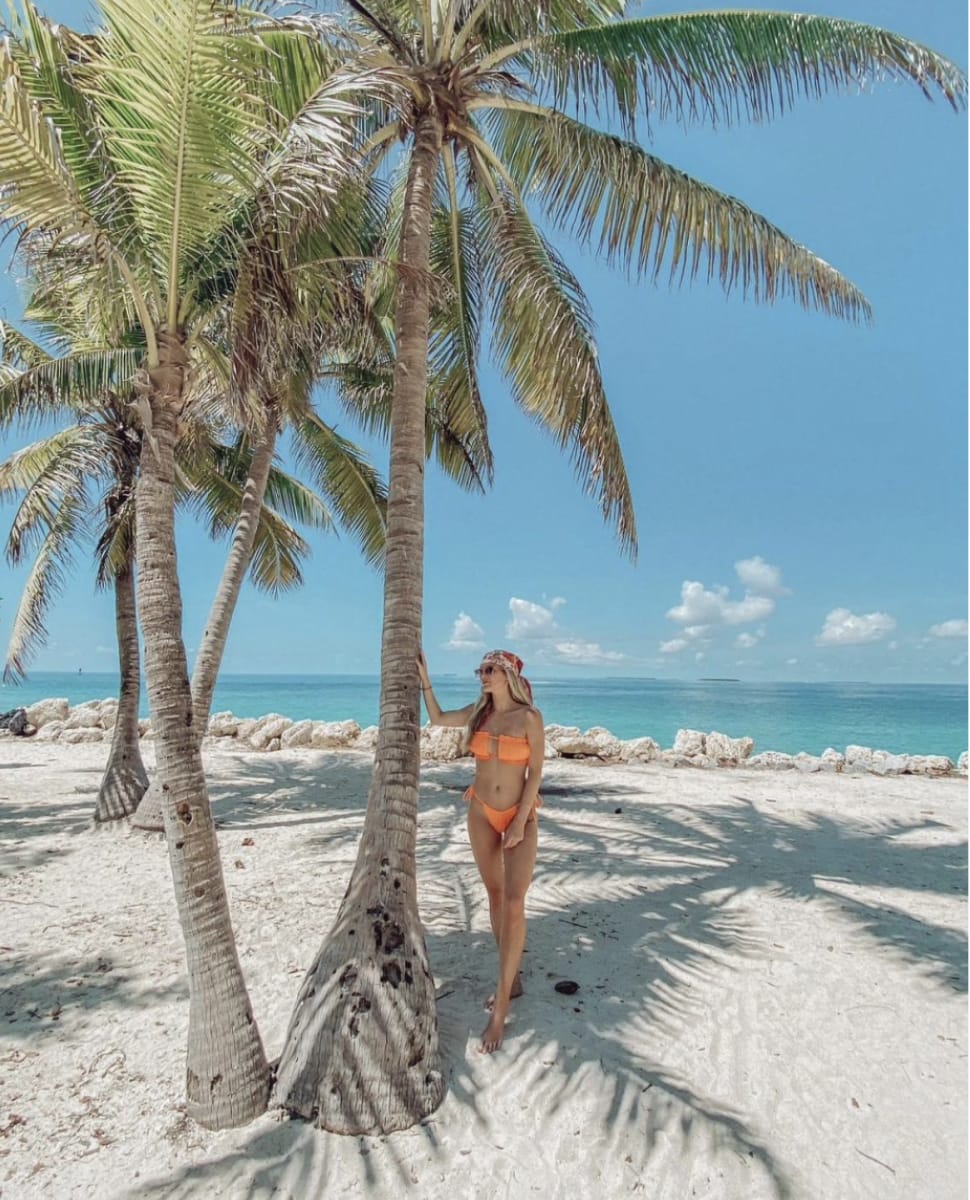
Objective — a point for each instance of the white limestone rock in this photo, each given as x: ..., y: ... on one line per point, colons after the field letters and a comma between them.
x: 299, y: 734
x: 85, y: 716
x: 771, y: 760
x: 246, y: 728
x: 50, y: 731
x: 596, y: 742
x: 367, y: 741
x: 832, y: 760
x: 643, y: 749
x: 272, y: 744
x: 962, y: 763
x: 273, y: 725
x: 808, y: 764
x: 109, y: 714
x: 673, y: 758
x: 689, y: 742
x: 223, y: 724
x: 440, y: 743
x: 858, y: 758
x: 83, y: 733
x: 727, y: 751
x: 145, y: 730
x: 930, y: 764
x: 329, y: 735
x: 45, y: 711
x: 884, y: 763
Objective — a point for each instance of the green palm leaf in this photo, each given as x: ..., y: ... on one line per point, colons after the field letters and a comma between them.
x: 49, y: 473
x: 725, y: 66
x: 344, y: 476
x: 37, y: 186
x: 179, y: 122
x: 641, y: 213
x: 76, y: 381
x: 47, y: 577
x: 544, y: 341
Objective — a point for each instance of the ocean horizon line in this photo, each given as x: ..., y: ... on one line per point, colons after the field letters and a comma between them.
x: 455, y: 676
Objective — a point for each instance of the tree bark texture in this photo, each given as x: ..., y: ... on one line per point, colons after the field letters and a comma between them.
x: 209, y: 658
x: 213, y: 644
x: 361, y: 1052
x: 227, y: 1076
x: 125, y: 778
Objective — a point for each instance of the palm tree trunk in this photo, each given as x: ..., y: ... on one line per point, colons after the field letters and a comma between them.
x: 361, y: 1052
x: 209, y: 658
x: 227, y: 1076
x: 125, y: 778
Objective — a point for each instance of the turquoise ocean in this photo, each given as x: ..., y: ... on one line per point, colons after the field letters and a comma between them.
x: 790, y: 717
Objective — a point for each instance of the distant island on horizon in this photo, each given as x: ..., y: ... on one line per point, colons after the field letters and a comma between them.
x: 718, y: 679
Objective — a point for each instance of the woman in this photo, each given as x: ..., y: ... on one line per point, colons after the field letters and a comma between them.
x: 505, y: 734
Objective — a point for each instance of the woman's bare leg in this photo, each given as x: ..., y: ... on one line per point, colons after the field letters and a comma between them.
x: 519, y: 865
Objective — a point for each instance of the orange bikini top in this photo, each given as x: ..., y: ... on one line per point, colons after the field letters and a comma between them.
x: 510, y: 749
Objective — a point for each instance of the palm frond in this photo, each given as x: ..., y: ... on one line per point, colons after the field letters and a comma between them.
x: 643, y: 214
x: 544, y: 341
x: 179, y: 122
x: 115, y: 549
x: 455, y: 339
x: 212, y: 486
x: 75, y: 383
x: 38, y: 191
x: 49, y: 472
x: 47, y: 577
x: 729, y: 66
x: 351, y: 486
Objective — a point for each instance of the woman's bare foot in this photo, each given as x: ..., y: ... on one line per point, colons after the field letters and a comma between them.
x: 492, y: 1034
x: 516, y: 992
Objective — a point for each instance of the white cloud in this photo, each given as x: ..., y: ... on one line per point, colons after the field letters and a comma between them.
x: 466, y: 634
x: 698, y: 657
x: 674, y: 646
x: 700, y: 606
x: 574, y: 650
x: 531, y: 621
x: 949, y: 629
x: 845, y: 628
x: 747, y: 640
x: 791, y: 662
x: 760, y: 578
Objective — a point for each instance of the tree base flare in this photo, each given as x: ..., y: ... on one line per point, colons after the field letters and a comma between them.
x: 148, y: 815
x: 361, y: 1053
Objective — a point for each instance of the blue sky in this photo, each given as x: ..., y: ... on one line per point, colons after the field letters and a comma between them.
x: 800, y: 484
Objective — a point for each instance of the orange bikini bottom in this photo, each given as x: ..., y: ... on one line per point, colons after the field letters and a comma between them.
x: 500, y: 818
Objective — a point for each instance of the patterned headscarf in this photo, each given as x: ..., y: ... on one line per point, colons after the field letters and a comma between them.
x: 508, y: 662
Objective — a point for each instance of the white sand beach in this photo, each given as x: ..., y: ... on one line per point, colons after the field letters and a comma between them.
x: 771, y: 1003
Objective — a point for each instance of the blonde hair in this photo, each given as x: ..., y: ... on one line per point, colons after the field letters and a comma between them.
x: 519, y: 690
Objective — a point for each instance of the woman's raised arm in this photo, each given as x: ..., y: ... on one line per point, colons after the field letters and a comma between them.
x: 455, y: 717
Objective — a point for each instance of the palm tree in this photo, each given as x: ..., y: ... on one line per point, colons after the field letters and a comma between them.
x: 103, y: 447
x: 131, y: 158
x: 485, y: 97
x: 56, y: 512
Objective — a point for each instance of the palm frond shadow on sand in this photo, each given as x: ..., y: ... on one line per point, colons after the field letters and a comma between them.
x: 656, y: 886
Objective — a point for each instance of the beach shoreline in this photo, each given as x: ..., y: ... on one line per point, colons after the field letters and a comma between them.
x: 771, y: 972
x: 54, y: 720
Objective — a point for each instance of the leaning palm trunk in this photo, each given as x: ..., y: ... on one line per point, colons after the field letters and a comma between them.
x: 361, y: 1052
x: 209, y: 658
x: 125, y: 778
x: 227, y: 1076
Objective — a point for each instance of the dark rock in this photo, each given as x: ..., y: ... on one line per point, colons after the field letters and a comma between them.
x: 15, y: 721
x: 567, y: 987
